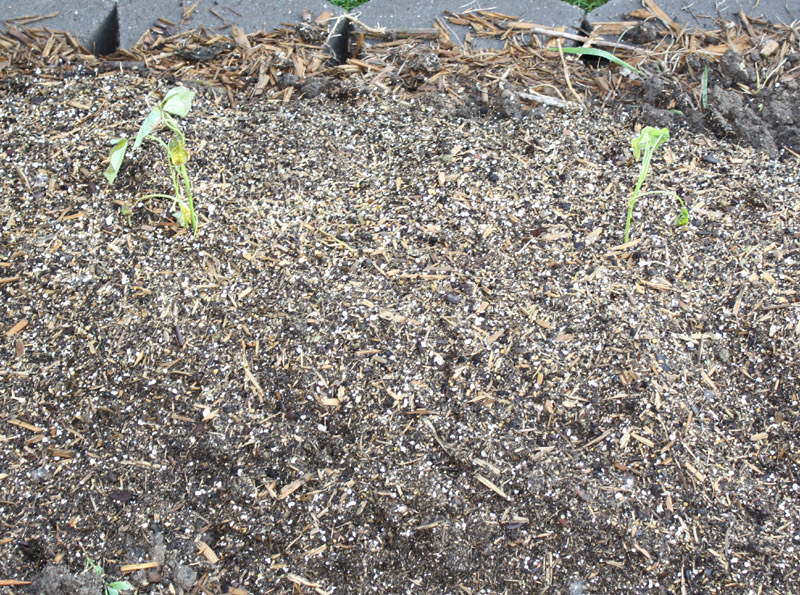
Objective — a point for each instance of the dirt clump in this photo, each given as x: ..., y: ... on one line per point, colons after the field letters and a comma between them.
x: 736, y: 109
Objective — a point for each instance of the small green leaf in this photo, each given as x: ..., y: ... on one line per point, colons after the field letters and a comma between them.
x: 648, y: 140
x: 682, y: 218
x: 597, y: 53
x: 178, y: 101
x: 150, y: 122
x: 115, y: 160
x: 177, y: 150
x: 96, y: 568
x: 183, y: 215
x: 121, y: 586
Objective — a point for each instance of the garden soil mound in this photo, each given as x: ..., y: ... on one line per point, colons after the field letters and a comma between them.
x: 768, y: 120
x: 408, y: 350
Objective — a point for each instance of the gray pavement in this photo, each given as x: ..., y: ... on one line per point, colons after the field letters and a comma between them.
x: 95, y: 22
x: 703, y: 13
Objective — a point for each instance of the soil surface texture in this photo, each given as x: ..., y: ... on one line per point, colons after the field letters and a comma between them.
x: 767, y: 119
x: 408, y: 350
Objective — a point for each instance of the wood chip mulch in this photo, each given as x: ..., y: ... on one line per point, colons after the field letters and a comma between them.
x: 275, y: 65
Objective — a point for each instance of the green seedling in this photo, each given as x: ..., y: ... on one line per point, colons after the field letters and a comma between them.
x: 178, y: 102
x: 761, y: 84
x: 597, y: 53
x: 643, y: 147
x: 348, y: 5
x: 587, y: 5
x: 111, y: 588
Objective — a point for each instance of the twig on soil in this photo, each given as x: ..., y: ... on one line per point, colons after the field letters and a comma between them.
x: 566, y: 76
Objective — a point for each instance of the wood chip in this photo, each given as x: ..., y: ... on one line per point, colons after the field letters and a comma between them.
x: 252, y: 379
x: 17, y: 328
x: 291, y: 488
x: 207, y: 552
x: 769, y: 48
x: 662, y: 16
x: 646, y: 441
x: 124, y: 568
x: 26, y: 426
x: 491, y: 486
x: 700, y: 477
x: 299, y: 580
x: 597, y: 440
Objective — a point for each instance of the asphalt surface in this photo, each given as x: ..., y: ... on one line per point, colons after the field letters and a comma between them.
x: 100, y: 23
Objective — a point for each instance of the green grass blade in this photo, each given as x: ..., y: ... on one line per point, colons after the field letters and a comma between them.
x: 597, y: 53
x: 586, y: 5
x: 348, y: 5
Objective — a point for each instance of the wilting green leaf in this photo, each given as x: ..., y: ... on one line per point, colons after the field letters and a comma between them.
x: 150, y: 122
x: 117, y: 586
x: 178, y: 101
x: 177, y: 151
x: 96, y: 568
x: 115, y: 160
x: 597, y: 53
x: 183, y: 215
x: 681, y: 218
x: 649, y: 139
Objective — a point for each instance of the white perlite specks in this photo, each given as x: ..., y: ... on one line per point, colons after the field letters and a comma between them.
x: 407, y: 352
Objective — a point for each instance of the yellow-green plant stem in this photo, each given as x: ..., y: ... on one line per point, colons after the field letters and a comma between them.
x: 632, y: 202
x: 175, y: 171
x: 682, y: 218
x: 189, y: 198
x: 647, y: 156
